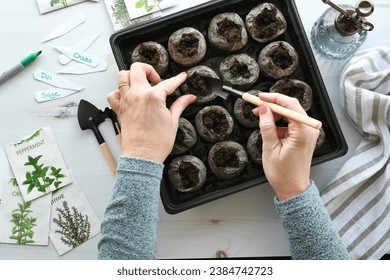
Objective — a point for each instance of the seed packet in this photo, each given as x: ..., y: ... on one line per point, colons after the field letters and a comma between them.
x: 23, y: 223
x: 46, y: 6
x: 122, y: 13
x: 73, y: 220
x: 37, y: 164
x: 139, y: 8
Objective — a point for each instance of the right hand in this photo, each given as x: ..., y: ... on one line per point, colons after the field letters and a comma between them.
x: 287, y: 151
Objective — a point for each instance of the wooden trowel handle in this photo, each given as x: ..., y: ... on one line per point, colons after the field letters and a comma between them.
x: 109, y: 157
x: 283, y: 111
x: 119, y: 139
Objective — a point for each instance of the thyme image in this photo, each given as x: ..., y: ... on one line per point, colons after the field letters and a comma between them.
x: 120, y: 13
x: 22, y: 231
x: 39, y: 177
x: 74, y: 227
x: 148, y: 5
x: 62, y: 2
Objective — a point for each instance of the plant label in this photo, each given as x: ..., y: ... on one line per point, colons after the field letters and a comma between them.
x: 54, y: 80
x: 53, y: 94
x: 79, y: 69
x: 79, y: 56
x: 37, y: 164
x: 82, y: 45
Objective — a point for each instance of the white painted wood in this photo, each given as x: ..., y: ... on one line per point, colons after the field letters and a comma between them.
x: 241, y: 225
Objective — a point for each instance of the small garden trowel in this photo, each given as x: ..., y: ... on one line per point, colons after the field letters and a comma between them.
x: 89, y: 117
x: 224, y: 89
x: 108, y: 113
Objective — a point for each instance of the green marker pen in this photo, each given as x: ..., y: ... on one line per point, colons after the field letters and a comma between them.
x: 19, y: 67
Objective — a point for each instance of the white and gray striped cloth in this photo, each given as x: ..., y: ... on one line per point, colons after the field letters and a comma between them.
x: 358, y: 198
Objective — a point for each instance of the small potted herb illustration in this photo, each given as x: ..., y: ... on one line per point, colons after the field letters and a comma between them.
x: 61, y: 2
x: 74, y: 226
x: 22, y: 231
x: 148, y: 4
x: 39, y: 177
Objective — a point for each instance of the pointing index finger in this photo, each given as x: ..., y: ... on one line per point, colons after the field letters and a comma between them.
x: 169, y: 85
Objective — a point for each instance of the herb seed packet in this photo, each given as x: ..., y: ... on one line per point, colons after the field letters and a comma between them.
x: 139, y: 8
x: 37, y: 164
x: 23, y: 223
x: 46, y: 6
x: 119, y: 15
x: 73, y: 221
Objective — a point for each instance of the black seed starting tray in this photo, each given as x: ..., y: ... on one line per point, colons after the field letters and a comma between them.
x: 159, y: 30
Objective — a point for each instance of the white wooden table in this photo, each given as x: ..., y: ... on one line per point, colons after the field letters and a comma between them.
x: 241, y: 225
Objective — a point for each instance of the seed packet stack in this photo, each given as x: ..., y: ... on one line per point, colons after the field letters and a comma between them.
x: 46, y: 6
x: 43, y: 199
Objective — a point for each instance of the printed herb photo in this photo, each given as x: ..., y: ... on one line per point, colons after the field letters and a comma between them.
x: 23, y: 223
x: 73, y: 220
x: 124, y: 13
x: 46, y: 6
x: 139, y: 8
x: 37, y: 164
x: 73, y: 227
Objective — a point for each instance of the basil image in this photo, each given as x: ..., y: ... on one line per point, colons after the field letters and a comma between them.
x: 148, y: 5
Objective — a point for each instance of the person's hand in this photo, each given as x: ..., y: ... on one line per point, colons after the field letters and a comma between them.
x: 148, y: 127
x: 288, y: 151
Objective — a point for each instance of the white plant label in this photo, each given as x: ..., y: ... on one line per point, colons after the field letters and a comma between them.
x: 54, y: 80
x: 82, y: 46
x: 53, y: 94
x: 79, y: 56
x: 79, y: 69
x: 66, y: 26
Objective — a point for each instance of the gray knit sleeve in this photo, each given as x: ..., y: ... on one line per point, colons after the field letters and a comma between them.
x: 129, y: 226
x: 309, y: 227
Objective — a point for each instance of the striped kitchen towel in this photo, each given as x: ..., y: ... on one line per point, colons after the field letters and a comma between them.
x: 358, y: 198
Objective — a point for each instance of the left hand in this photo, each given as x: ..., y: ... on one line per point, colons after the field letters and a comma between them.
x: 148, y: 127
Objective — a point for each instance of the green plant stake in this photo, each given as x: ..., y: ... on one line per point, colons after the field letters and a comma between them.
x: 74, y: 226
x: 148, y: 5
x: 22, y: 231
x: 39, y: 178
